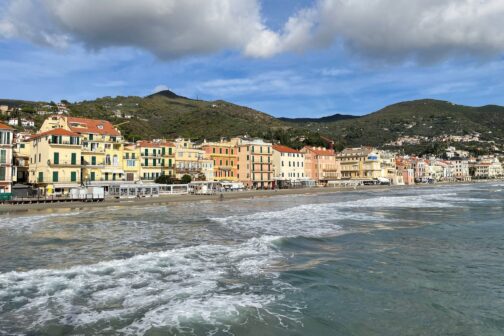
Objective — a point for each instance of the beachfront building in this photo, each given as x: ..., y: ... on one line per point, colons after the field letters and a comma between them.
x: 168, y: 157
x: 7, y: 170
x: 131, y: 163
x: 255, y: 168
x: 102, y: 147
x: 22, y: 157
x: 362, y: 163
x: 461, y: 168
x: 55, y: 165
x: 151, y: 160
x: 224, y: 156
x: 488, y: 168
x: 288, y: 166
x: 321, y: 164
x: 189, y: 160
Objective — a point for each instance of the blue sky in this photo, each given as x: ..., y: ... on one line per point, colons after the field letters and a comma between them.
x: 303, y: 59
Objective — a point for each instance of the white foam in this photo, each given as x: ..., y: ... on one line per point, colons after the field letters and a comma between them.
x: 156, y: 289
x: 318, y: 220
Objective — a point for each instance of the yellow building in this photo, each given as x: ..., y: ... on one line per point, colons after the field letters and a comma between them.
x: 55, y: 165
x: 189, y: 160
x: 224, y: 157
x: 151, y: 160
x: 360, y: 163
x: 131, y: 163
x: 168, y: 154
x: 102, y: 147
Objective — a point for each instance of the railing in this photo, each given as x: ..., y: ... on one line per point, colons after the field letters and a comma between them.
x: 63, y: 163
x: 90, y: 164
x: 63, y: 143
x: 49, y: 180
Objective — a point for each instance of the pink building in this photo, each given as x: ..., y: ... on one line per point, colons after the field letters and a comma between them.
x: 6, y: 167
x: 321, y: 164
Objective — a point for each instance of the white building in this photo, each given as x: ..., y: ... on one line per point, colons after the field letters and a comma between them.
x: 288, y: 164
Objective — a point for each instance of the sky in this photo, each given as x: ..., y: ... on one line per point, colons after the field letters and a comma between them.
x: 307, y: 58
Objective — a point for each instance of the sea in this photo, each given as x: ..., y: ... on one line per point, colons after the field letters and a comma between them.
x: 400, y: 261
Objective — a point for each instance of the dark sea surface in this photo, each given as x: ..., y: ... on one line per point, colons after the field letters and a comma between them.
x: 411, y: 261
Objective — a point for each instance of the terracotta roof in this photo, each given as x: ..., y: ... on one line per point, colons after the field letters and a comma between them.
x: 93, y: 126
x: 321, y: 151
x: 148, y: 144
x: 285, y: 149
x: 56, y: 131
x: 3, y: 126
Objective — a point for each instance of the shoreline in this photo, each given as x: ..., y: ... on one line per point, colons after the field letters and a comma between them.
x: 162, y: 200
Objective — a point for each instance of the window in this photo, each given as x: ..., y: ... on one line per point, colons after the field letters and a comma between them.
x: 73, y: 176
x: 40, y: 177
x: 227, y: 151
x: 93, y: 160
x: 91, y: 137
x: 56, y: 158
x: 74, y: 159
x: 93, y: 176
x: 3, y: 156
x: 55, y: 176
x: 2, y: 173
x: 5, y: 138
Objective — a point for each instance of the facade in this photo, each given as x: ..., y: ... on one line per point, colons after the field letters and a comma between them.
x: 7, y: 170
x: 360, y: 163
x: 22, y: 159
x: 461, y: 169
x: 131, y: 163
x: 55, y: 165
x: 288, y: 165
x: 224, y: 156
x: 102, y: 147
x: 321, y: 164
x: 188, y: 160
x: 488, y: 168
x: 151, y: 160
x: 255, y: 166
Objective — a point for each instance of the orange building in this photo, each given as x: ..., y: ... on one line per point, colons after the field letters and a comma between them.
x: 224, y: 155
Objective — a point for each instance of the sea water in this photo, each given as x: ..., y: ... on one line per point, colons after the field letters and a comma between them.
x: 410, y: 261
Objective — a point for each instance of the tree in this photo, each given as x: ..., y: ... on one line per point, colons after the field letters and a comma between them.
x: 165, y: 179
x: 186, y: 179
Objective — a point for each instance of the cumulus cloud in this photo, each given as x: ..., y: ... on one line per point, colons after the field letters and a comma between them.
x: 387, y: 29
x: 167, y: 28
x: 397, y: 29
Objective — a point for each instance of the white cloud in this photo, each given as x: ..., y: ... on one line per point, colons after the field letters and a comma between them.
x: 384, y: 29
x: 395, y: 29
x: 167, y: 28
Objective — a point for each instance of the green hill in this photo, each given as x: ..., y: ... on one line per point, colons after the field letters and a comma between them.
x: 166, y: 114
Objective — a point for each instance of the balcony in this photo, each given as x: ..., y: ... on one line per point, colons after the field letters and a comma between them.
x: 86, y: 150
x: 187, y: 170
x: 87, y: 164
x: 64, y: 143
x: 62, y: 163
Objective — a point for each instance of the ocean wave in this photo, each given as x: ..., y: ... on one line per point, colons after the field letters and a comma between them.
x: 204, y: 284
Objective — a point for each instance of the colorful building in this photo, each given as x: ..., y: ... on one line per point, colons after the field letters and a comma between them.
x: 7, y: 170
x: 131, y: 163
x: 255, y: 166
x: 189, y: 160
x: 102, y: 147
x: 151, y: 160
x: 288, y: 165
x: 360, y: 163
x: 321, y: 164
x: 55, y: 165
x: 224, y: 157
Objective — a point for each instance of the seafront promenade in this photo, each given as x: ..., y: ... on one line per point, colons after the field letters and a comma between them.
x: 215, y: 197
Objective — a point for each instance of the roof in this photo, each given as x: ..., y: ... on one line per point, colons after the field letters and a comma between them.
x: 321, y: 151
x: 357, y: 151
x: 285, y: 149
x: 94, y: 126
x: 56, y: 131
x: 5, y: 127
x: 148, y: 144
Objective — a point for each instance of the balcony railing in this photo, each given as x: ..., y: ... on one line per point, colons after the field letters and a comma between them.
x: 63, y: 163
x: 63, y: 143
